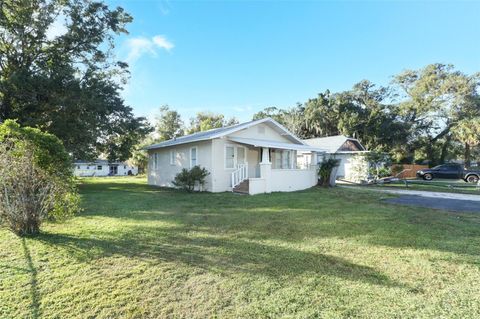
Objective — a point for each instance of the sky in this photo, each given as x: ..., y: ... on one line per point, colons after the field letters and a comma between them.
x: 238, y: 57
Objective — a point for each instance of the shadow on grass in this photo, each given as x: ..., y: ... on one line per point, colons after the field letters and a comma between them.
x: 292, y: 217
x: 228, y: 234
x: 220, y: 255
x: 34, y: 292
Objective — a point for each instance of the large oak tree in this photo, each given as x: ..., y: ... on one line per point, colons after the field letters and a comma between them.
x: 67, y: 83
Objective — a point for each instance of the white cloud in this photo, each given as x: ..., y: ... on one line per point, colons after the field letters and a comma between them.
x: 141, y: 45
x: 162, y: 42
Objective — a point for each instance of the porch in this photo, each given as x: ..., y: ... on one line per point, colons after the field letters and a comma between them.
x: 271, y: 166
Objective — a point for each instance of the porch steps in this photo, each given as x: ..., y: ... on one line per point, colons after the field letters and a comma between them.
x: 242, y: 188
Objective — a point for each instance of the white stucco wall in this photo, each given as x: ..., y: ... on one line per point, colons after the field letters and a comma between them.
x: 166, y: 172
x: 222, y: 178
x: 92, y: 170
x: 289, y: 180
x: 262, y: 132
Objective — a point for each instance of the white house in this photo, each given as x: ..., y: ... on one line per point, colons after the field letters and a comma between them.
x: 254, y: 157
x: 346, y: 149
x: 103, y: 168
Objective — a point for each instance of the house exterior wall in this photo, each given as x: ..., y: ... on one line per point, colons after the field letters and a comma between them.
x: 211, y: 155
x: 91, y: 169
x: 165, y: 172
x: 262, y: 132
x: 221, y: 178
x: 289, y: 180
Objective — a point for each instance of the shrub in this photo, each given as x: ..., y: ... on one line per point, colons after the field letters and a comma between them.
x: 49, y: 152
x: 188, y: 179
x: 380, y: 172
x: 325, y: 170
x: 29, y: 194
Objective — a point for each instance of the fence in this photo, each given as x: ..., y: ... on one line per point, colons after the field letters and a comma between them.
x: 407, y: 170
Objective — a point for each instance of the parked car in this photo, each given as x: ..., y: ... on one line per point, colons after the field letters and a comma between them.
x: 450, y: 171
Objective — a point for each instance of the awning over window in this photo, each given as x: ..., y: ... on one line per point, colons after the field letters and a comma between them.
x: 274, y: 144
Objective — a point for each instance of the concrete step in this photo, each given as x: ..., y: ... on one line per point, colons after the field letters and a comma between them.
x: 242, y: 188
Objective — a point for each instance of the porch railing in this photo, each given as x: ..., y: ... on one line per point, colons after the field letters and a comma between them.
x: 240, y: 174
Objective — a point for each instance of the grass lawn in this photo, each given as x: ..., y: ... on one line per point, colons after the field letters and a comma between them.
x: 138, y: 251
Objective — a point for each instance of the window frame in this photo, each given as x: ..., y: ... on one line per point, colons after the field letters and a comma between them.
x: 278, y: 155
x: 173, y: 157
x: 99, y: 167
x: 235, y: 156
x: 196, y: 156
x: 155, y: 161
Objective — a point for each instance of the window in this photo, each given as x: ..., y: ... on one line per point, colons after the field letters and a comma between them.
x: 99, y: 167
x: 88, y: 167
x: 240, y: 155
x: 173, y: 155
x: 234, y: 156
x: 193, y: 157
x: 155, y: 161
x: 124, y: 166
x: 283, y: 159
x: 78, y: 166
x: 229, y: 157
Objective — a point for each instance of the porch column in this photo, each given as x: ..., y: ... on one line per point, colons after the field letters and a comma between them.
x: 266, y: 169
x: 313, y: 160
x: 314, y: 168
x: 265, y: 156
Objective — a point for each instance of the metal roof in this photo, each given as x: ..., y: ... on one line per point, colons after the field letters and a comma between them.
x: 275, y: 144
x: 219, y: 132
x: 332, y: 143
x: 97, y: 162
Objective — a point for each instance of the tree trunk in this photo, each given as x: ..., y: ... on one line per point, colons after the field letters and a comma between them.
x: 467, y: 155
x: 445, y: 147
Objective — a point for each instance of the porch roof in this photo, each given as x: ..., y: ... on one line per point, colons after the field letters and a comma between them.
x: 274, y: 144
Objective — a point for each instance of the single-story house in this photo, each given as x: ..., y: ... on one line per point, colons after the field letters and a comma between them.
x: 343, y: 148
x: 254, y: 157
x: 101, y: 167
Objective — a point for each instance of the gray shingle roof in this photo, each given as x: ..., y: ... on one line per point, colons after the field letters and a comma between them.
x: 330, y: 143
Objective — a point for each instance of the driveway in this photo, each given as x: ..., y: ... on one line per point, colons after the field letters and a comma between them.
x: 436, y: 200
x: 454, y: 205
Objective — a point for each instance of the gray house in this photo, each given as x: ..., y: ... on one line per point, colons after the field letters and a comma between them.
x: 340, y: 147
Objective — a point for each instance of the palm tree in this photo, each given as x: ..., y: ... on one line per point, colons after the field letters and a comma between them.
x: 468, y: 133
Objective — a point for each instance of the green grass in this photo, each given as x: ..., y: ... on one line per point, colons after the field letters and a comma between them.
x: 138, y: 251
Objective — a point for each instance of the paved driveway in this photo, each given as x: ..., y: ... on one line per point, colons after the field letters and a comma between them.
x: 454, y: 205
x: 436, y: 200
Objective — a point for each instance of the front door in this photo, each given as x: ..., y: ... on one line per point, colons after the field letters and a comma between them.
x: 113, y: 170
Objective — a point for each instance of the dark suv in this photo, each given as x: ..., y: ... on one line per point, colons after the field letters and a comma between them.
x: 450, y: 171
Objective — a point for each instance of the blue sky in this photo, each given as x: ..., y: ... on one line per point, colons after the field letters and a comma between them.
x: 238, y: 57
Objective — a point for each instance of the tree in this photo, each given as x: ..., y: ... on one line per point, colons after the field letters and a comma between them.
x: 468, y: 133
x: 292, y: 118
x: 169, y: 124
x: 139, y: 156
x: 206, y: 121
x: 66, y: 84
x: 433, y: 101
x: 47, y: 149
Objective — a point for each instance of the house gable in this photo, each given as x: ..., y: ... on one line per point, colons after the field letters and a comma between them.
x: 350, y: 146
x: 264, y: 131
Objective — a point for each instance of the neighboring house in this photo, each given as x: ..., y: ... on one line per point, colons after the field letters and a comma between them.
x: 343, y: 148
x: 103, y: 168
x: 254, y: 157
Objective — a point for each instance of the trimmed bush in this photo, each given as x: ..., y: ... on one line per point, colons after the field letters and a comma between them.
x: 188, y: 179
x: 30, y: 194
